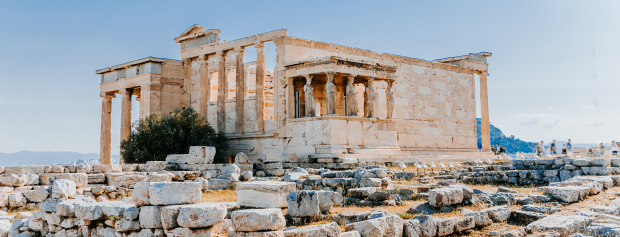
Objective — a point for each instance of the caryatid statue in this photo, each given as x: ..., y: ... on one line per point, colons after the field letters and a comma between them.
x: 389, y: 98
x: 330, y: 94
x: 351, y: 97
x: 369, y: 99
x: 309, y: 96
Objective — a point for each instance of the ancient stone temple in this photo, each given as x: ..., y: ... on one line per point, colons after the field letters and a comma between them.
x: 324, y: 102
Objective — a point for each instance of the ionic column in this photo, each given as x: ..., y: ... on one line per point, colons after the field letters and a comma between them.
x: 205, y: 87
x: 330, y: 94
x: 309, y: 97
x: 484, y: 107
x: 106, y: 124
x: 222, y: 89
x: 240, y: 91
x: 389, y: 98
x: 260, y: 87
x: 369, y: 99
x: 125, y: 115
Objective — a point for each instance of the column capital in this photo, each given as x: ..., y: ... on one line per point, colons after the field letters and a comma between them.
x: 239, y: 49
x: 127, y: 91
x: 482, y: 73
x: 259, y: 45
x: 106, y: 95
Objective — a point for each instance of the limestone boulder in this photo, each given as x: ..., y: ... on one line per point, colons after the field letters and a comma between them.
x: 205, y: 152
x: 303, y: 204
x: 150, y: 217
x: 80, y: 179
x: 63, y: 188
x: 481, y: 218
x: 38, y: 195
x: 328, y: 199
x: 201, y: 215
x: 383, y: 226
x: 89, y: 211
x: 220, y: 184
x: 13, y: 180
x: 246, y: 176
x: 566, y: 194
x: 441, y: 197
x: 412, y: 228
x: 242, y: 158
x: 603, y: 229
x: 67, y: 207
x: 427, y: 225
x: 17, y: 200
x: 258, y: 220
x: 499, y: 213
x: 326, y: 230
x: 264, y: 194
x: 361, y: 193
x: 275, y: 233
x: 174, y: 193
x: 445, y: 226
x: 102, y: 169
x: 600, y: 162
x: 155, y: 166
x: 563, y: 225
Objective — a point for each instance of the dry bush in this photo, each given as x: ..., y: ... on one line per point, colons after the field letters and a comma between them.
x: 227, y: 195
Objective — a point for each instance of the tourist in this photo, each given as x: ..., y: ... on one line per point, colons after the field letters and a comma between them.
x: 569, y: 148
x: 493, y: 150
x: 480, y: 146
x: 552, y: 149
x: 542, y: 149
x: 614, y: 148
x: 601, y: 149
x: 537, y: 150
x: 564, y: 150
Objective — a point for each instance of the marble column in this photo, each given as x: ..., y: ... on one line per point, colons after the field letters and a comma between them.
x: 484, y: 112
x: 260, y: 87
x: 106, y: 124
x: 351, y: 98
x: 369, y: 99
x: 240, y: 92
x: 330, y: 94
x: 222, y: 91
x: 309, y: 97
x: 205, y: 87
x: 125, y: 115
x: 389, y: 98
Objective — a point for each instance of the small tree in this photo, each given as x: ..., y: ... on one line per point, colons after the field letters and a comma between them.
x: 156, y: 136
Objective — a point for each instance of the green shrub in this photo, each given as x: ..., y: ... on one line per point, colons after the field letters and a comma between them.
x: 156, y: 136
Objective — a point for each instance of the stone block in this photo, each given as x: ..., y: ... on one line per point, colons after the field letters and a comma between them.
x: 96, y: 178
x: 14, y: 180
x: 37, y: 195
x: 276, y: 233
x: 565, y: 194
x: 258, y: 220
x: 102, y: 169
x: 383, y: 226
x: 201, y: 215
x: 481, y: 218
x: 412, y: 228
x: 230, y: 168
x: 150, y: 217
x: 220, y: 184
x: 16, y: 200
x: 602, y: 229
x: 242, y: 158
x: 441, y: 197
x: 303, y: 204
x: 67, y: 207
x: 80, y: 179
x: 326, y: 230
x: 445, y: 226
x: 129, y: 181
x: 63, y: 188
x: 499, y: 213
x: 264, y: 194
x: 600, y: 162
x: 526, y: 216
x: 427, y: 225
x: 563, y: 225
x: 581, y: 162
x: 155, y: 166
x: 328, y: 199
x: 361, y: 193
x: 174, y: 193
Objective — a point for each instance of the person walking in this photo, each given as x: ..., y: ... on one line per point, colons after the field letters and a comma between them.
x: 537, y: 150
x: 569, y: 148
x: 614, y: 148
x: 552, y: 150
x: 542, y: 149
x: 601, y: 149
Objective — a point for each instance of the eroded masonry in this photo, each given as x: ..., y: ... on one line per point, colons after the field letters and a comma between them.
x: 324, y: 102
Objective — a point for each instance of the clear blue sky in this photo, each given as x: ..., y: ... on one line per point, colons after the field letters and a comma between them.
x: 553, y: 73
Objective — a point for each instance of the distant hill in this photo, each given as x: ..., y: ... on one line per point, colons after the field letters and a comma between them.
x: 512, y: 144
x: 31, y: 158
